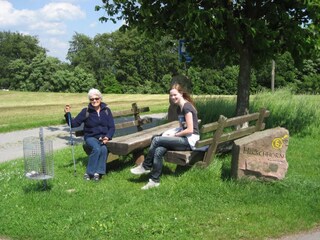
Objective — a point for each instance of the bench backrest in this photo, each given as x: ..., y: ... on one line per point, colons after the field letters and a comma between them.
x: 135, y: 112
x: 227, y: 129
x: 136, y: 122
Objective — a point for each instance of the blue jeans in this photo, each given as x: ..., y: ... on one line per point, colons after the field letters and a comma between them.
x: 97, y: 158
x: 158, y: 148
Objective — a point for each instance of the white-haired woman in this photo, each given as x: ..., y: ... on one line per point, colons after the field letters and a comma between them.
x: 98, y: 130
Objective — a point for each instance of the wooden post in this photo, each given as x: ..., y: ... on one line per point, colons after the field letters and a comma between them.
x: 273, y: 75
x: 136, y: 113
x: 138, y: 156
x: 213, y: 147
x: 259, y: 122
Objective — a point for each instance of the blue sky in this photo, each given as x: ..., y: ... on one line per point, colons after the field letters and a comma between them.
x: 54, y: 22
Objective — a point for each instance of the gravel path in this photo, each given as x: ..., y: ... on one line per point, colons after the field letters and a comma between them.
x: 11, y: 144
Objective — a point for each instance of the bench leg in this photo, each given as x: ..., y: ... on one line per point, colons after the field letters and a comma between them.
x: 138, y: 157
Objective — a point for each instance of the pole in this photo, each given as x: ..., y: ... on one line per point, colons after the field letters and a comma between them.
x: 273, y: 75
x: 72, y: 144
x: 43, y: 159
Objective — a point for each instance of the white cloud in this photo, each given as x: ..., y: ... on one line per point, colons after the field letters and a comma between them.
x: 52, y: 28
x: 62, y: 11
x: 93, y: 24
x: 48, y: 23
x: 57, y: 47
x: 49, y: 19
x: 12, y: 17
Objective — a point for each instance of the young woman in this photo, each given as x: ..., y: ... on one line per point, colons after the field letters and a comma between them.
x: 98, y: 130
x: 182, y: 139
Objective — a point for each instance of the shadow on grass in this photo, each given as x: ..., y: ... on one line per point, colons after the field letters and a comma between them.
x: 225, y: 167
x: 39, y: 186
x: 70, y: 163
x: 119, y: 164
x: 178, y: 171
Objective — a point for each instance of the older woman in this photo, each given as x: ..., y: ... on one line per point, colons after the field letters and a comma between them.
x: 98, y: 130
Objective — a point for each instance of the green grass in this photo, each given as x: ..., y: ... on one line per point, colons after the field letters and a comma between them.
x: 189, y: 204
x: 23, y: 110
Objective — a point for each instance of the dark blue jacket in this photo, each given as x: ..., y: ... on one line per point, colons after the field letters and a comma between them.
x: 95, y: 125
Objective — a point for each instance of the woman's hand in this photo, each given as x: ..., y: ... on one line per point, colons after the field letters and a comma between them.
x: 104, y: 140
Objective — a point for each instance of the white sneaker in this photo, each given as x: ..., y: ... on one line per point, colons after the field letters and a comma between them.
x: 150, y: 184
x: 139, y: 170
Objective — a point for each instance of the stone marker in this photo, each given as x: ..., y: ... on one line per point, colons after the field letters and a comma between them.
x: 261, y: 155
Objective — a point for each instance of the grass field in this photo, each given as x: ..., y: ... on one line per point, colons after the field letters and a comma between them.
x: 189, y: 204
x: 23, y: 110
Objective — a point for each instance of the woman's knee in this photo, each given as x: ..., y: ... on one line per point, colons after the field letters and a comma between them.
x: 155, y: 141
x: 96, y: 150
x: 104, y: 149
x: 160, y: 151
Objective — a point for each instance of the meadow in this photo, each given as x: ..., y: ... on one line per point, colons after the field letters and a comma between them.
x: 23, y: 110
x: 190, y: 203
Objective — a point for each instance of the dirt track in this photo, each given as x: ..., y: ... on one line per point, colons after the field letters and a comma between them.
x: 11, y: 144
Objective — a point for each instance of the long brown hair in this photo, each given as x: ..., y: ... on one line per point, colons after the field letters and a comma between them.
x: 184, y: 93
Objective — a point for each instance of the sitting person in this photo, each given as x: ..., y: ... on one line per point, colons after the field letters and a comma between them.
x: 98, y: 129
x: 183, y: 139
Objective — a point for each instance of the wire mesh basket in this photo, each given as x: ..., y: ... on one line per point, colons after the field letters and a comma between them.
x: 38, y: 158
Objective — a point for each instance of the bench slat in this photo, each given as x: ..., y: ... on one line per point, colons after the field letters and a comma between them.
x: 184, y: 158
x: 224, y: 130
x: 209, y: 127
x: 244, y: 118
x: 237, y: 134
x: 128, y: 112
x: 133, y: 123
x: 229, y: 136
x: 124, y: 145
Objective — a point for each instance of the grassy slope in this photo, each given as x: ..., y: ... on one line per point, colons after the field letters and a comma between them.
x: 190, y: 204
x: 193, y: 204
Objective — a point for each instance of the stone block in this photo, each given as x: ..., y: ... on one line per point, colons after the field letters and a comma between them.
x: 261, y: 155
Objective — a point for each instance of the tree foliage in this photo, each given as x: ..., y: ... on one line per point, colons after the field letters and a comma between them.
x: 135, y: 61
x: 14, y: 46
x: 252, y: 30
x: 132, y: 62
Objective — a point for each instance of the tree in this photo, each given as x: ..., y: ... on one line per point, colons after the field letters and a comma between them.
x: 18, y: 73
x: 251, y: 30
x: 16, y: 46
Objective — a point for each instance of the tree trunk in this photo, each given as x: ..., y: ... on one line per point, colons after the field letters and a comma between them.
x: 244, y: 81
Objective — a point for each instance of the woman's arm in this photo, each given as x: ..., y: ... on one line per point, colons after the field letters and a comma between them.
x: 111, y: 125
x: 77, y: 121
x: 189, y: 123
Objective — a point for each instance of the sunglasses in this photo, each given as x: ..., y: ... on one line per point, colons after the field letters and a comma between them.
x: 92, y: 99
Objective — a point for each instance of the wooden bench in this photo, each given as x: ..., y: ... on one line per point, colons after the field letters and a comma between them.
x: 213, y: 134
x: 133, y: 143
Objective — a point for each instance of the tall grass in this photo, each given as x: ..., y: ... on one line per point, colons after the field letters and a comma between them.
x: 190, y: 203
x: 298, y: 113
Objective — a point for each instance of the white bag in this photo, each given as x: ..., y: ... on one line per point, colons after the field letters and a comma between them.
x: 171, y: 132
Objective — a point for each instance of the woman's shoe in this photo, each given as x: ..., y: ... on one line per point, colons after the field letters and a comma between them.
x: 86, y: 176
x: 150, y: 184
x: 139, y: 170
x: 96, y: 176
